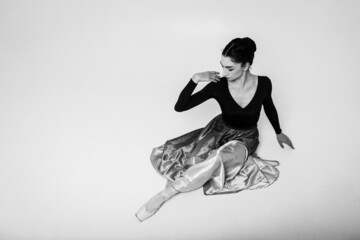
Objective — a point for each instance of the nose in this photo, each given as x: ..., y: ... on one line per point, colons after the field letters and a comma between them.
x: 225, y: 72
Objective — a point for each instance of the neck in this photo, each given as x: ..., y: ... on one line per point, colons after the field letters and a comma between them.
x: 243, y: 80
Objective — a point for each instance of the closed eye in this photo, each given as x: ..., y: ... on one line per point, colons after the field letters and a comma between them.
x: 228, y: 67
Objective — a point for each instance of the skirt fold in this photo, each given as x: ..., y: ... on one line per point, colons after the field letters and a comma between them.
x: 218, y: 158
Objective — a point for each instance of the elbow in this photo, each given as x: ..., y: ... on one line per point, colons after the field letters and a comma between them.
x: 181, y: 107
x: 178, y: 108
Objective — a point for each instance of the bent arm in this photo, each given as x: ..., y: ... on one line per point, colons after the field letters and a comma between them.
x: 187, y: 101
x: 270, y: 110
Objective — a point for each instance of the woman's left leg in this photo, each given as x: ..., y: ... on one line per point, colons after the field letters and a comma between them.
x: 231, y: 153
x: 154, y: 204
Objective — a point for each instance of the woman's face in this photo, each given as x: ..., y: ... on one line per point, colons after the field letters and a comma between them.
x: 231, y: 70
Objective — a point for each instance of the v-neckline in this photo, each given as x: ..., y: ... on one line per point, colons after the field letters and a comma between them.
x: 252, y: 99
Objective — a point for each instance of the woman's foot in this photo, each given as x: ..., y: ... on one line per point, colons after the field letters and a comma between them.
x: 154, y: 204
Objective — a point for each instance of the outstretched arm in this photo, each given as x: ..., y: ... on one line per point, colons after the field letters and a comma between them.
x: 272, y: 115
x: 270, y: 110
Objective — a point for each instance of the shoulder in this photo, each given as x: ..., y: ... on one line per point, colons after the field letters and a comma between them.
x: 266, y: 84
x: 216, y: 88
x: 264, y: 79
x: 218, y: 84
x: 222, y: 81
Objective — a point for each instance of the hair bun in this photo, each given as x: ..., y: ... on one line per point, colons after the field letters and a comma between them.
x: 240, y: 50
x: 249, y: 44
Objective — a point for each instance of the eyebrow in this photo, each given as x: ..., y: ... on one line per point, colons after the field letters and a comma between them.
x: 226, y: 66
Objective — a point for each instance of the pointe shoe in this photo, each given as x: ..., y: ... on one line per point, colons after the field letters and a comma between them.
x: 154, y: 204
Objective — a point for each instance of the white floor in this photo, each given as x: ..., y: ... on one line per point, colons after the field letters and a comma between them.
x: 87, y: 89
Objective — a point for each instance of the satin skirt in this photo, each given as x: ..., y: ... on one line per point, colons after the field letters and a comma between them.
x: 216, y: 157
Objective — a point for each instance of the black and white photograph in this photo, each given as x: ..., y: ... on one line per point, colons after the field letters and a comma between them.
x: 171, y: 120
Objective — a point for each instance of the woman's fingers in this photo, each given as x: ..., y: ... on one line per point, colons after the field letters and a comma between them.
x: 291, y: 145
x: 216, y: 79
x: 212, y: 76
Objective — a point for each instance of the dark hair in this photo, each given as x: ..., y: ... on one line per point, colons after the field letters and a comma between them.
x: 240, y: 50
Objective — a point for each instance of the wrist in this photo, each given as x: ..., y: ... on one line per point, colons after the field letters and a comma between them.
x: 194, y: 81
x: 194, y: 78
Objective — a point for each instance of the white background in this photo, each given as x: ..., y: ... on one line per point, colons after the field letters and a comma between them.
x: 88, y: 88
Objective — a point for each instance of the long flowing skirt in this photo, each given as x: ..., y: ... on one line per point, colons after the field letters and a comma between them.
x: 217, y: 157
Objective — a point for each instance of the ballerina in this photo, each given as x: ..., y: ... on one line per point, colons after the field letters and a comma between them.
x: 220, y: 157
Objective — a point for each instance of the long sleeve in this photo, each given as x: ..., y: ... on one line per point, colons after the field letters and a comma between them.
x: 270, y: 110
x: 187, y: 101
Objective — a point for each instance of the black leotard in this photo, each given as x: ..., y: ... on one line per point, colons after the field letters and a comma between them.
x: 232, y: 114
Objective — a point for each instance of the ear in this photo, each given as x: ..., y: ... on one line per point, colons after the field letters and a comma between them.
x: 246, y: 66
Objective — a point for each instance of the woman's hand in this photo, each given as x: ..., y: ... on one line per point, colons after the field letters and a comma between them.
x: 206, y: 77
x: 282, y: 138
